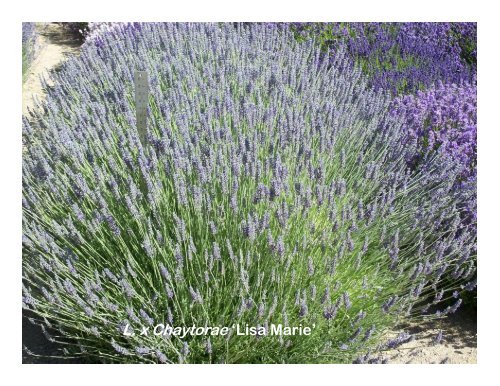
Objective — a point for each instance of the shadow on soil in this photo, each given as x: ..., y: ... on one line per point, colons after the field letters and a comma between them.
x: 39, y: 348
x: 56, y: 34
x: 460, y: 328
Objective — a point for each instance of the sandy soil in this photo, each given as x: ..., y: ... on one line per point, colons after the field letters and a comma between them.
x: 54, y: 46
x: 459, y: 343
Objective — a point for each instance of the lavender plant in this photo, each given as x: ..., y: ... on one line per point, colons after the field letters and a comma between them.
x: 273, y: 190
x: 28, y: 45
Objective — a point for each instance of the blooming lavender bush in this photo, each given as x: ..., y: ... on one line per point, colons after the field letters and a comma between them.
x: 273, y: 190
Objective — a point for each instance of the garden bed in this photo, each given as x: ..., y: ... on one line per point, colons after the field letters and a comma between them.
x: 278, y: 184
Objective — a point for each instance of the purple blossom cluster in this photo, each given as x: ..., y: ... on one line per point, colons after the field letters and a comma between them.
x: 96, y: 29
x: 444, y: 118
x: 273, y: 189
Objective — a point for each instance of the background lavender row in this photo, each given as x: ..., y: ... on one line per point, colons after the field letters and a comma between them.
x: 402, y: 57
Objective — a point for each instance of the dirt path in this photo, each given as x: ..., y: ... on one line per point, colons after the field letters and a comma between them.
x: 54, y: 46
x: 459, y: 343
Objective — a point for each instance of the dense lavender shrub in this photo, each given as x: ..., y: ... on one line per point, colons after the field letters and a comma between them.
x: 273, y: 190
x: 445, y: 115
x: 28, y: 45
